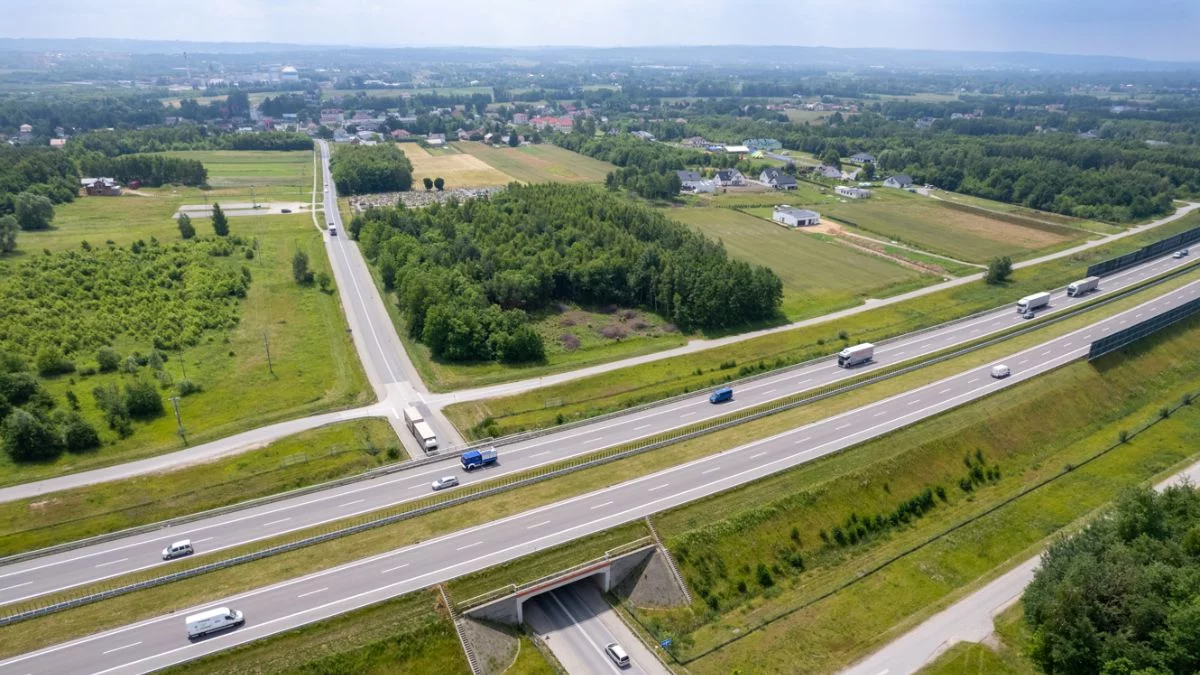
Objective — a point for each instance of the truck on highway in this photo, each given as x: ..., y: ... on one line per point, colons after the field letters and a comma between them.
x: 474, y: 459
x: 213, y: 620
x: 1078, y: 288
x: 853, y: 356
x: 1032, y: 302
x: 424, y: 435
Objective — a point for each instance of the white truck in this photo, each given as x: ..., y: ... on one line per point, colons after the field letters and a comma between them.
x: 213, y: 620
x: 424, y: 435
x: 1078, y: 288
x: 1032, y: 302
x: 853, y: 356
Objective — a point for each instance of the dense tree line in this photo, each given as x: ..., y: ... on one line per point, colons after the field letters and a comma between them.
x: 41, y: 171
x: 75, y: 112
x: 647, y: 184
x: 359, y: 169
x: 1121, y: 596
x: 113, y: 143
x: 467, y: 274
x: 150, y: 170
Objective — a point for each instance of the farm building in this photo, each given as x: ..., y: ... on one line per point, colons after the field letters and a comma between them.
x: 727, y: 177
x: 777, y: 179
x: 737, y: 149
x: 862, y: 158
x: 852, y: 192
x: 793, y: 217
x: 900, y: 180
x: 767, y: 144
x: 100, y: 187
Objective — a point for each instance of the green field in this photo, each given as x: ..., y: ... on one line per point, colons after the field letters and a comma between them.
x: 274, y: 174
x: 540, y: 163
x: 1005, y: 656
x: 1015, y: 209
x: 934, y: 226
x: 626, y: 387
x: 819, y: 276
x: 314, y: 362
x: 308, y: 458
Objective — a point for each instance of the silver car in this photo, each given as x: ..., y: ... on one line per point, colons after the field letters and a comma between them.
x: 445, y: 482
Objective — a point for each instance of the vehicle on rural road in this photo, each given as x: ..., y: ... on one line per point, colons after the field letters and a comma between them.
x: 721, y: 395
x: 617, y: 654
x: 420, y: 429
x: 221, y: 618
x: 332, y: 231
x: 858, y: 354
x: 1000, y: 371
x: 1078, y: 288
x: 1032, y: 302
x: 178, y: 550
x: 445, y: 482
x: 474, y: 459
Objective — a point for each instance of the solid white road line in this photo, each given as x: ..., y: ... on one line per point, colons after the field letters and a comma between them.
x: 9, y: 588
x: 463, y: 548
x: 319, y: 590
x: 600, y: 506
x: 356, y: 501
x: 276, y: 522
x: 120, y: 648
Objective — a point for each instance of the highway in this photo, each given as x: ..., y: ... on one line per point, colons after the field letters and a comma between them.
x: 576, y: 623
x: 161, y: 641
x: 61, y: 571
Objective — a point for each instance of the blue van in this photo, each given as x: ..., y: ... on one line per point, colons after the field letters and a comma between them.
x: 721, y: 395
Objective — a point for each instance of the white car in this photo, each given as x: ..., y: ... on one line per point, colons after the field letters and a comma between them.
x: 1180, y: 253
x: 1000, y: 371
x: 178, y: 549
x: 617, y: 654
x: 445, y: 482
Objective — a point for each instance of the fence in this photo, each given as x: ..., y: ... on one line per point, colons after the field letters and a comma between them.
x: 1121, y: 338
x: 1145, y: 253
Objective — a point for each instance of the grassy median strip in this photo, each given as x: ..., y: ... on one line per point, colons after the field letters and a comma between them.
x: 635, y: 385
x: 307, y: 458
x: 118, y: 611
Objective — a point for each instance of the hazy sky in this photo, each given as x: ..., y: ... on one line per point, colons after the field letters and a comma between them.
x: 1158, y: 29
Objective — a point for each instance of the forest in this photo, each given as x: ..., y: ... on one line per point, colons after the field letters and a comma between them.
x: 359, y: 169
x: 43, y: 171
x: 113, y: 143
x: 468, y: 275
x: 1120, y: 596
x: 150, y: 170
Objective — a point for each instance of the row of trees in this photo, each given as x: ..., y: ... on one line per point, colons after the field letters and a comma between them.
x: 113, y: 143
x: 647, y: 184
x: 150, y: 170
x: 360, y: 169
x: 41, y: 171
x: 467, y: 275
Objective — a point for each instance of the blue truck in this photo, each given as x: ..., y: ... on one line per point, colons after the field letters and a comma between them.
x: 721, y: 395
x: 474, y: 459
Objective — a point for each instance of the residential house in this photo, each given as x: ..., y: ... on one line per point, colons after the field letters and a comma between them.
x: 793, y: 217
x: 644, y: 135
x: 862, y: 158
x: 62, y: 142
x: 827, y: 171
x: 900, y: 180
x: 436, y: 140
x: 764, y: 144
x: 852, y: 192
x: 520, y: 118
x: 777, y: 179
x: 694, y: 142
x: 728, y: 177
x: 332, y: 116
x: 401, y: 133
x: 100, y: 187
x: 690, y: 181
x: 924, y: 123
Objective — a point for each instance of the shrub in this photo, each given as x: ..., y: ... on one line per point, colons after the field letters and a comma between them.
x: 764, y: 576
x: 142, y: 399
x: 51, y: 361
x: 77, y: 434
x: 187, y: 388
x: 28, y: 438
x: 108, y: 360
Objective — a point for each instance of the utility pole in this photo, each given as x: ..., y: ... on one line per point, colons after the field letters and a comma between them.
x: 253, y: 199
x: 179, y: 419
x: 267, y: 347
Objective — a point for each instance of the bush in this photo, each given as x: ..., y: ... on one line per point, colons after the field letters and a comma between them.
x: 28, y: 438
x: 187, y: 388
x: 51, y: 361
x: 77, y: 434
x: 764, y: 576
x: 108, y: 360
x: 142, y: 399
x: 999, y: 270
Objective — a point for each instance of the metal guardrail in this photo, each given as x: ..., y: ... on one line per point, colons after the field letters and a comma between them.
x: 1127, y: 336
x: 576, y: 464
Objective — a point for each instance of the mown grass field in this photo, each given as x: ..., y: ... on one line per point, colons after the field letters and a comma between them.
x: 410, y: 634
x: 1046, y: 216
x: 307, y: 458
x: 90, y: 618
x: 272, y: 173
x: 939, y: 228
x: 313, y: 359
x: 540, y: 163
x: 457, y: 169
x: 626, y: 387
x: 818, y: 276
x: 1081, y: 408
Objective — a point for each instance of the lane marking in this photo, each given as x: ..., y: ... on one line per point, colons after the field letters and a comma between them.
x: 541, y: 454
x: 120, y: 648
x: 943, y: 391
x: 356, y: 501
x: 757, y: 456
x: 708, y: 471
x: 844, y: 426
x: 112, y: 562
x: 276, y: 522
x: 536, y: 525
x: 393, y: 569
x: 644, y: 426
x: 687, y: 414
x: 201, y: 541
x: 463, y: 548
x: 973, y: 381
x: 600, y: 506
x: 319, y: 590
x: 768, y: 393
x: 881, y: 413
x: 9, y: 588
x: 914, y: 401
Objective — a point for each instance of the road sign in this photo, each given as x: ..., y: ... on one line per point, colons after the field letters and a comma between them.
x: 665, y: 644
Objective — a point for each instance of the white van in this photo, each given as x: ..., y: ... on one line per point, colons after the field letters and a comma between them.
x: 617, y: 654
x: 220, y: 618
x: 178, y: 549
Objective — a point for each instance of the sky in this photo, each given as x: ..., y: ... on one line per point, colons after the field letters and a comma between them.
x: 1154, y: 29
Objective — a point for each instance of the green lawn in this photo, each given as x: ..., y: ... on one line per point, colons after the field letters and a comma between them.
x: 314, y: 362
x: 619, y: 389
x: 937, y: 227
x: 285, y: 173
x: 307, y: 458
x: 540, y: 163
x: 818, y: 276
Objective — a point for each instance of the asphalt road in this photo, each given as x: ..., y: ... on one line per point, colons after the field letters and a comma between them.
x: 969, y: 619
x: 161, y: 641
x: 576, y: 623
x: 53, y: 573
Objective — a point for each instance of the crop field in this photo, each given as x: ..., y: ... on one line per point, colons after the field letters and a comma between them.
x: 818, y: 276
x: 458, y: 169
x: 540, y: 163
x: 939, y: 228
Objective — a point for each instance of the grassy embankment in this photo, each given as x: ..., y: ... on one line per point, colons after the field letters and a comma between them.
x: 626, y: 387
x: 308, y: 458
x: 850, y: 598
x: 180, y: 595
x: 313, y: 359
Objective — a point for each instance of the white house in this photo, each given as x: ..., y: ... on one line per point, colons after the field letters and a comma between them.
x: 793, y: 217
x: 727, y: 177
x: 777, y: 179
x: 900, y: 180
x: 862, y: 158
x: 852, y: 192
